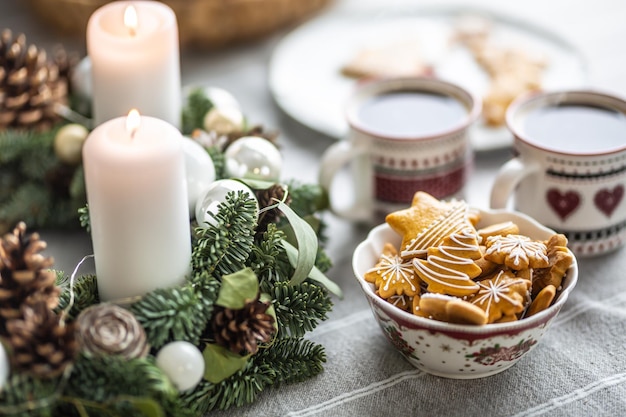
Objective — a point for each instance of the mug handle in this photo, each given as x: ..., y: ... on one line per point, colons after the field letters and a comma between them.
x: 508, y: 178
x: 336, y: 157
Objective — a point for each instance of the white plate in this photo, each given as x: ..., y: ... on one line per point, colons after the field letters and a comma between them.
x: 305, y: 70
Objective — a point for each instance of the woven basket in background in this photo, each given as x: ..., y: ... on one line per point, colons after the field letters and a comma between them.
x: 202, y: 23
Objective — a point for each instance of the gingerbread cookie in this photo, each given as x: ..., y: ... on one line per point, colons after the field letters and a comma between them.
x: 449, y: 267
x: 542, y: 301
x: 501, y: 295
x: 559, y: 258
x: 393, y: 276
x: 411, y: 222
x: 498, y: 229
x: 397, y: 59
x: 451, y: 309
x: 516, y: 252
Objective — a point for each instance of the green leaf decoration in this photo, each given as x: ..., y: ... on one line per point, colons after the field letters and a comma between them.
x: 307, y: 244
x: 238, y: 289
x: 314, y: 274
x: 220, y: 363
x: 256, y: 184
x: 146, y: 406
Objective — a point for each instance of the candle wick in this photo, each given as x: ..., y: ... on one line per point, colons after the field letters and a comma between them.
x: 132, y: 133
x: 132, y: 31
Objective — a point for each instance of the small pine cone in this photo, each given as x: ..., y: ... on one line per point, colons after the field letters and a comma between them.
x: 30, y: 85
x: 242, y: 330
x: 256, y: 130
x: 266, y: 198
x: 41, y: 343
x: 108, y: 329
x: 25, y: 277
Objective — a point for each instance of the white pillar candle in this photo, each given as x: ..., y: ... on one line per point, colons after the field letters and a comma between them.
x: 135, y: 62
x: 137, y: 196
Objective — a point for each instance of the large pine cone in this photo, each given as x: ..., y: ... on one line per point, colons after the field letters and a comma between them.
x: 25, y: 277
x: 243, y: 330
x: 42, y: 344
x: 30, y: 85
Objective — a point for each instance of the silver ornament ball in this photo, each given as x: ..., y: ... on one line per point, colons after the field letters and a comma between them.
x: 214, y: 195
x: 254, y: 158
x: 182, y: 362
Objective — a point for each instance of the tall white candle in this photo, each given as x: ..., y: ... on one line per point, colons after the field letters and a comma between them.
x: 137, y: 196
x: 135, y: 62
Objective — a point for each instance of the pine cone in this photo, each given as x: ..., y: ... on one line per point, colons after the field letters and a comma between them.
x: 24, y: 275
x: 266, y: 198
x: 30, y: 85
x: 108, y: 329
x: 242, y: 330
x: 42, y: 344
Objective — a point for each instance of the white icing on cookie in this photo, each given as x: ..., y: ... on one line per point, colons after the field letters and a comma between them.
x: 453, y: 221
x: 392, y: 269
x: 517, y: 248
x: 447, y: 266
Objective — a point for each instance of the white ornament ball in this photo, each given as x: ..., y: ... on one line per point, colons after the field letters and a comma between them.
x: 224, y: 120
x: 254, y: 158
x: 215, y: 195
x: 68, y: 143
x: 4, y: 366
x: 221, y: 98
x: 81, y: 79
x: 199, y: 170
x: 182, y: 362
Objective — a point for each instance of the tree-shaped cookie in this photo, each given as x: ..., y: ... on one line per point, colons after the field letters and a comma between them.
x: 450, y: 267
x: 518, y: 252
x: 393, y: 276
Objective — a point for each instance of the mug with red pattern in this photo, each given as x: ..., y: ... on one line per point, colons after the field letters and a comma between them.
x: 406, y: 135
x: 569, y: 172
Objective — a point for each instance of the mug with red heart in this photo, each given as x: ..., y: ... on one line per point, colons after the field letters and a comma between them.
x: 569, y: 169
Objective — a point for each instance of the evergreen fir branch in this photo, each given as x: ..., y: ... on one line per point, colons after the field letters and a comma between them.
x: 323, y: 261
x: 83, y: 217
x: 225, y: 247
x: 268, y: 259
x: 35, y: 165
x: 25, y: 396
x: 102, y: 379
x: 30, y: 203
x: 85, y: 293
x: 293, y: 359
x: 196, y: 107
x: 299, y: 308
x: 77, y: 185
x: 241, y: 388
x: 14, y: 143
x: 169, y: 314
x: 219, y: 162
x: 307, y: 199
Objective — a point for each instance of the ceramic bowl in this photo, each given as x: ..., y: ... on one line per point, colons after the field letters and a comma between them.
x: 457, y: 350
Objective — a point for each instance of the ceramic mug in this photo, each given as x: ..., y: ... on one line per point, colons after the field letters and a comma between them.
x: 569, y: 171
x: 405, y: 135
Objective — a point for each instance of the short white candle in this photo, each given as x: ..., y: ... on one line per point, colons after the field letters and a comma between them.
x: 137, y: 196
x: 135, y: 61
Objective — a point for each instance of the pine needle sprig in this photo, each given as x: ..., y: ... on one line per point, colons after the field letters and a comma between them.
x: 85, y: 293
x: 123, y: 378
x: 268, y: 259
x: 224, y: 248
x: 170, y: 314
x: 26, y: 396
x: 239, y: 389
x: 299, y: 308
x: 293, y: 359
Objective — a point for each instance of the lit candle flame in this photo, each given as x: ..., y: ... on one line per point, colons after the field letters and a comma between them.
x: 132, y: 122
x: 130, y: 19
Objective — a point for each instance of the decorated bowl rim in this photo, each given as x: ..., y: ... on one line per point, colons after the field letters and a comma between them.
x: 524, y: 222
